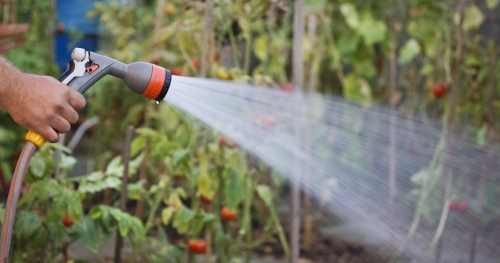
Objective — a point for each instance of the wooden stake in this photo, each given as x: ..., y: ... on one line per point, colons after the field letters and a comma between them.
x: 123, y: 193
x: 297, y: 76
x: 392, y: 130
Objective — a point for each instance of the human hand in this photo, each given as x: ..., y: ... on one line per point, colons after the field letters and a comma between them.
x: 42, y: 104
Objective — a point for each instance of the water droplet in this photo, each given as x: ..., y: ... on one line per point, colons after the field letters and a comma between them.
x: 157, y: 102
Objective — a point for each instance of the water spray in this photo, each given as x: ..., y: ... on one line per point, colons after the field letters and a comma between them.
x: 83, y: 71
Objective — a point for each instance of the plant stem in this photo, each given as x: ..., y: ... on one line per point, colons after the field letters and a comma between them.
x: 248, y: 51
x: 142, y: 176
x: 281, y: 232
x: 392, y: 131
x: 153, y: 208
x: 234, y: 47
x: 247, y: 224
x: 185, y: 54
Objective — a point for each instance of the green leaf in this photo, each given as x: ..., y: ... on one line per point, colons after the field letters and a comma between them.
x: 166, y: 215
x: 87, y: 231
x: 56, y: 210
x: 209, y: 217
x: 137, y: 228
x: 260, y: 47
x: 135, y: 163
x: 182, y: 219
x: 114, y: 167
x: 205, y: 186
x: 27, y: 223
x: 197, y: 224
x: 37, y: 167
x: 67, y: 162
x: 220, y: 237
x: 348, y: 43
x: 492, y: 4
x: 122, y: 219
x: 135, y: 190
x: 357, y: 89
x: 41, y: 190
x: 371, y: 30
x: 57, y: 146
x: 137, y: 145
x: 364, y: 68
x: 350, y: 14
x: 473, y: 18
x: 315, y: 5
x: 146, y: 131
x: 266, y: 194
x: 180, y: 155
x: 95, y: 212
x: 74, y: 205
x: 409, y: 51
x: 427, y: 69
x: 481, y: 136
x: 234, y: 190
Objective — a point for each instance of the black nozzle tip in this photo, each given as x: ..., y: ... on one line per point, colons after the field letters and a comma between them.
x: 166, y: 86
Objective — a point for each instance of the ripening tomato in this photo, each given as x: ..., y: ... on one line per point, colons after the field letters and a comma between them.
x: 197, y: 246
x: 227, y: 214
x: 439, y: 90
x: 286, y: 87
x: 60, y: 27
x: 460, y: 207
x: 195, y: 63
x: 67, y: 222
x: 268, y: 121
x: 226, y: 142
x: 169, y: 9
x: 222, y: 73
x: 176, y: 71
x: 205, y: 200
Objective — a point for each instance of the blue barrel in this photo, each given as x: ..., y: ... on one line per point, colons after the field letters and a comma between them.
x: 72, y: 14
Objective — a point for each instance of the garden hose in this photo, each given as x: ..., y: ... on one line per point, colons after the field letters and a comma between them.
x: 84, y: 70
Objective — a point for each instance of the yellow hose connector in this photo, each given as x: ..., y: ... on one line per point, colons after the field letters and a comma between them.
x: 35, y: 138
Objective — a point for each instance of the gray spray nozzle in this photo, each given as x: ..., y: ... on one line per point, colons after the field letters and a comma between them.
x: 143, y: 78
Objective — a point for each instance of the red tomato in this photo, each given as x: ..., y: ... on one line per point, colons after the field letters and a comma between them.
x: 286, y: 87
x: 176, y: 71
x: 205, y: 200
x: 439, y: 90
x: 225, y: 142
x: 197, y: 246
x: 67, y: 222
x: 264, y: 120
x: 195, y: 63
x: 461, y: 207
x: 268, y: 121
x: 60, y: 27
x: 227, y: 214
x: 179, y: 177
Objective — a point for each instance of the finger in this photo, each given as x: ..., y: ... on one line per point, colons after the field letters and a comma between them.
x: 76, y: 100
x: 69, y: 114
x: 49, y: 134
x: 60, y: 125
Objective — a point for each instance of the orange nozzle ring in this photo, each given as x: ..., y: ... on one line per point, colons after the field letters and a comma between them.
x: 156, y: 82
